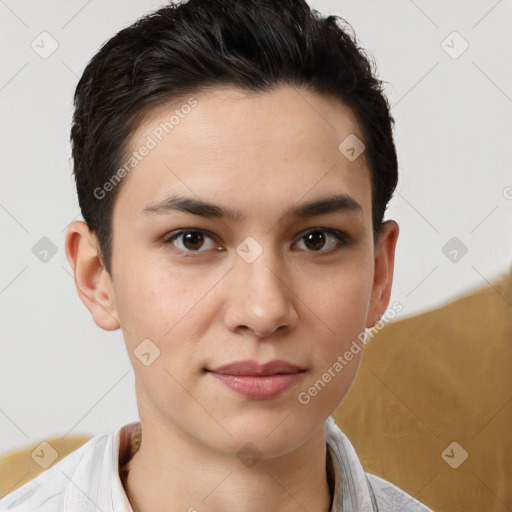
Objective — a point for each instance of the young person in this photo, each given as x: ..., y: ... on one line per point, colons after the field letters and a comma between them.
x: 233, y: 161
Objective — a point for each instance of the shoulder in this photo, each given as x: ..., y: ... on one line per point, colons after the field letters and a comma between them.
x: 49, y: 491
x: 388, y: 497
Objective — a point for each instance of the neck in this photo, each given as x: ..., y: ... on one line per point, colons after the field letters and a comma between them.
x: 174, y: 469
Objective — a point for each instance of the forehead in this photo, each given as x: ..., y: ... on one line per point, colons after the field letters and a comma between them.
x: 229, y: 145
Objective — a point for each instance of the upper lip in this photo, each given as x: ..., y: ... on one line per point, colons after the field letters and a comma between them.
x: 274, y: 367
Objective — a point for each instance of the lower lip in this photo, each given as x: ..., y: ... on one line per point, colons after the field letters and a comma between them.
x: 259, y: 387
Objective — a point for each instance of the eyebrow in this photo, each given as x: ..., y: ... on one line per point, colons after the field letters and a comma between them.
x: 322, y: 206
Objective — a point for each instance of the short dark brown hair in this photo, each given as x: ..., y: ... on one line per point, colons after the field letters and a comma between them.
x: 188, y: 47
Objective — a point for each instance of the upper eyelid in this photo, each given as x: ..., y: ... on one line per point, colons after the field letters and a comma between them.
x: 175, y: 234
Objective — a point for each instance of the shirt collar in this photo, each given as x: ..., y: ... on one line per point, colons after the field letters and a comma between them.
x: 125, y: 443
x: 351, y: 490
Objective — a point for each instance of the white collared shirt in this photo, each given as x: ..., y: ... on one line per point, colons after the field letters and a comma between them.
x: 88, y: 480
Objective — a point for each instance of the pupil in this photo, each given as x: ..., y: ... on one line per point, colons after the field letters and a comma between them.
x: 193, y: 240
x: 318, y: 239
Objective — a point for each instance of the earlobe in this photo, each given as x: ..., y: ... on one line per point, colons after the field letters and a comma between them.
x: 92, y: 281
x: 383, y: 272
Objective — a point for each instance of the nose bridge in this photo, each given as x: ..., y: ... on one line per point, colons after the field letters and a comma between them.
x: 263, y: 276
x: 261, y: 300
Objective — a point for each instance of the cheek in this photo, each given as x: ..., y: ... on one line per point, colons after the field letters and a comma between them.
x: 174, y: 311
x: 339, y: 308
x: 340, y: 316
x: 158, y: 316
x: 343, y: 298
x: 150, y: 294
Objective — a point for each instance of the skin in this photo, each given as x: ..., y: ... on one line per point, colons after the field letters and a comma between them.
x: 298, y: 301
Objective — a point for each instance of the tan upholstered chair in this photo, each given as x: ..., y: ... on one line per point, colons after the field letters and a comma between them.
x: 431, y: 380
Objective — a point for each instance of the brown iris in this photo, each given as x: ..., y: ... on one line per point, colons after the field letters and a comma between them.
x: 315, y: 240
x: 193, y: 240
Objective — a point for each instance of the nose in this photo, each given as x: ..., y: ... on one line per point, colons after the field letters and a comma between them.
x: 259, y: 299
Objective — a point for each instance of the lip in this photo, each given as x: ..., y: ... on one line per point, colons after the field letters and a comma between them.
x: 258, y: 381
x: 277, y: 366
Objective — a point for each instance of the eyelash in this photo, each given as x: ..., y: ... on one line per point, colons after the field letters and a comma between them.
x: 342, y: 238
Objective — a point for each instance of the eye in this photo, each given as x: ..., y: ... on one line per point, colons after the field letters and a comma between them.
x: 191, y: 240
x: 317, y: 239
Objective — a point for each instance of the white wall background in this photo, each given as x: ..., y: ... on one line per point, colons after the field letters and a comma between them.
x: 61, y: 374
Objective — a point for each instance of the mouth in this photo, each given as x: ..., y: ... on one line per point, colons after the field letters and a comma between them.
x: 253, y: 368
x: 258, y: 381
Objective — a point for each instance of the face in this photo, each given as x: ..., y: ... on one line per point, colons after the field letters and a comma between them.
x: 258, y: 277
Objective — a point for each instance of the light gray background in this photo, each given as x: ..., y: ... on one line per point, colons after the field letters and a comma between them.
x: 60, y: 373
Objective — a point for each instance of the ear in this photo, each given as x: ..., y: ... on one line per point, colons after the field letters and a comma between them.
x: 92, y: 281
x: 383, y: 272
